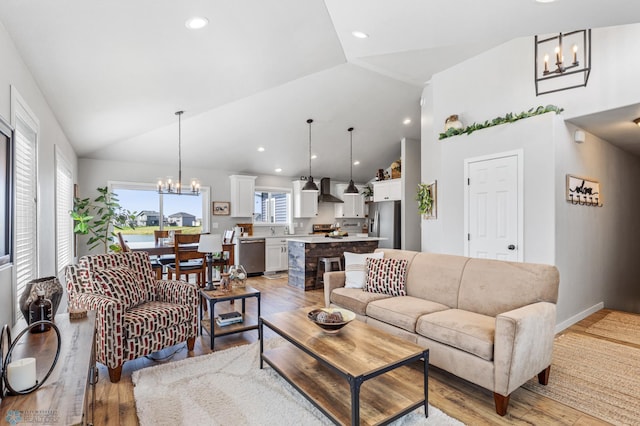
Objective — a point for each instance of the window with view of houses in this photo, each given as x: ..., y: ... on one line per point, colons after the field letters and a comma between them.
x: 155, y: 211
x: 272, y: 206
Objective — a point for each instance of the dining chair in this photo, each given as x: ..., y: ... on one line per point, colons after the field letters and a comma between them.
x: 188, y: 260
x: 155, y: 265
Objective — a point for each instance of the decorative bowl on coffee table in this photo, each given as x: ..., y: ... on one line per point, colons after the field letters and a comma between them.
x: 331, y: 320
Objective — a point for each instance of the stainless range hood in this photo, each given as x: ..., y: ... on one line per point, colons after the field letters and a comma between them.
x: 325, y: 192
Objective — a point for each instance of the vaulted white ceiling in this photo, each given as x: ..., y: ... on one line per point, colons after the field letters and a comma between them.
x: 115, y: 72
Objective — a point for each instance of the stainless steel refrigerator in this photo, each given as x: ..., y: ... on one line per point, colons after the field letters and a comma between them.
x: 384, y: 222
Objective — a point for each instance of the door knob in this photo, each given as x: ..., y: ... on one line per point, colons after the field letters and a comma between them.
x: 511, y: 247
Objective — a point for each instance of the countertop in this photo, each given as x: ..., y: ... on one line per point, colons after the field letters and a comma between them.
x: 315, y: 239
x: 282, y: 237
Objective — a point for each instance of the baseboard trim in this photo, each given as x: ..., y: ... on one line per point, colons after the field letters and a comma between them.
x: 578, y: 317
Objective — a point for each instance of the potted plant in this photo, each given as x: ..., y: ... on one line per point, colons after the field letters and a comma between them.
x: 424, y: 198
x: 367, y: 192
x: 99, y: 217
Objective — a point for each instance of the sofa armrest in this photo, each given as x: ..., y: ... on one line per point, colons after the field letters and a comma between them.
x: 175, y: 291
x: 332, y: 280
x: 110, y: 326
x: 523, y: 344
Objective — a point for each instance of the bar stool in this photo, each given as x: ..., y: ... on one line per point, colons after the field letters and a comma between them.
x: 327, y: 266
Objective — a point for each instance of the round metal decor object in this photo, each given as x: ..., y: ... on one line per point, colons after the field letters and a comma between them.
x: 7, y: 360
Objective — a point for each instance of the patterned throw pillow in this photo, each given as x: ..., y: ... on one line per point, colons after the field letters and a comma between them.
x: 120, y: 283
x: 386, y: 276
x: 354, y: 265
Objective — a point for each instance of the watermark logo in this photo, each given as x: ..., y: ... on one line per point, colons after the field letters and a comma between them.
x: 32, y: 417
x: 13, y: 417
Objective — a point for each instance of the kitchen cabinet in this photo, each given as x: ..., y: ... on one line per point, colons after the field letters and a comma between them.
x: 387, y: 190
x: 242, y: 194
x: 276, y: 255
x: 353, y: 206
x: 305, y: 204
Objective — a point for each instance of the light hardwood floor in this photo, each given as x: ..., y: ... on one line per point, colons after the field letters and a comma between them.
x: 468, y: 403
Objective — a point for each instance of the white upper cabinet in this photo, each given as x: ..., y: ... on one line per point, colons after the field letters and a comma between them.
x: 353, y: 206
x: 305, y: 204
x: 242, y: 194
x: 387, y: 190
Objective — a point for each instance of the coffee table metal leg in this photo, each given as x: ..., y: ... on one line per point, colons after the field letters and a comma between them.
x: 259, y: 333
x: 355, y: 383
x: 426, y: 383
x: 212, y: 306
x: 260, y: 320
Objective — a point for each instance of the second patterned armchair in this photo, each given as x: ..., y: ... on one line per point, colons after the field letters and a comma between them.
x: 136, y: 314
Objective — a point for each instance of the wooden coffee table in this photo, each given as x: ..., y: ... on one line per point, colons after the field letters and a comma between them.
x: 250, y: 321
x: 379, y: 368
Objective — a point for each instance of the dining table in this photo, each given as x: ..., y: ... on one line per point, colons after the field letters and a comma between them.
x: 162, y: 248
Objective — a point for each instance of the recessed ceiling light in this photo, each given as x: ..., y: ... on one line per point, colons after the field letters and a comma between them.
x: 278, y: 170
x: 260, y: 149
x: 545, y: 1
x: 313, y: 157
x: 196, y: 23
x: 359, y: 34
x: 355, y: 163
x: 406, y: 121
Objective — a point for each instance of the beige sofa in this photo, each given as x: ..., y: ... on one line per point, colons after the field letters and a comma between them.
x: 489, y: 322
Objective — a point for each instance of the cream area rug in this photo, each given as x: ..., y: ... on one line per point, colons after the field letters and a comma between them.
x: 228, y: 388
x: 596, y: 376
x: 619, y: 326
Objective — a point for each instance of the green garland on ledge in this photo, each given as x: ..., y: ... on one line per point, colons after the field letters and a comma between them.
x: 509, y: 118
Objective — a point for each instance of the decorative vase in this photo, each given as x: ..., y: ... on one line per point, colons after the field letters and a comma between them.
x: 452, y: 122
x: 40, y: 310
x: 225, y: 284
x: 238, y: 276
x: 52, y: 291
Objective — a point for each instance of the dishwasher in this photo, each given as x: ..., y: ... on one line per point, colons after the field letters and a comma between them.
x: 251, y: 255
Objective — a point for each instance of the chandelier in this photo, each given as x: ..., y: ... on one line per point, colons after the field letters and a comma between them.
x: 562, y: 74
x: 168, y: 186
x: 310, y: 185
x: 351, y: 189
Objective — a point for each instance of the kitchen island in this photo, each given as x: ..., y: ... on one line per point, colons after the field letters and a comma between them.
x: 304, y: 253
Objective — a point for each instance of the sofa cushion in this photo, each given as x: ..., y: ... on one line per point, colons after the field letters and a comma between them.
x: 386, y: 276
x: 402, y: 311
x: 121, y: 283
x: 354, y: 299
x: 491, y: 287
x: 153, y: 316
x: 354, y: 268
x: 468, y: 331
x: 436, y: 277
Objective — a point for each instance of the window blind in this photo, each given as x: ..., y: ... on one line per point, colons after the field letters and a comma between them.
x: 26, y: 264
x: 64, y: 223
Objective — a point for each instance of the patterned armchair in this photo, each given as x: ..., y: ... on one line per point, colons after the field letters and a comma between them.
x: 136, y: 314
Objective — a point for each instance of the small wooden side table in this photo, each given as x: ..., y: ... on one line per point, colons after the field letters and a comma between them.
x: 250, y: 321
x: 68, y: 396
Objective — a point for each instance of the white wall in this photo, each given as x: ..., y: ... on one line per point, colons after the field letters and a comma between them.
x: 597, y: 247
x: 500, y: 81
x: 14, y: 72
x: 535, y: 138
x: 410, y: 224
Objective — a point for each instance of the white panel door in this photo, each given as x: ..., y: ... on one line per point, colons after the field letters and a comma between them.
x: 493, y: 215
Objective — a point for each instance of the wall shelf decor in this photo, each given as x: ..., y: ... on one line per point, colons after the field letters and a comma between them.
x: 583, y: 191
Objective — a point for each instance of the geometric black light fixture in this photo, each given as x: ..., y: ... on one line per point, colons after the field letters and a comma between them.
x: 351, y: 189
x: 570, y: 65
x: 169, y: 186
x: 637, y: 121
x: 310, y: 185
